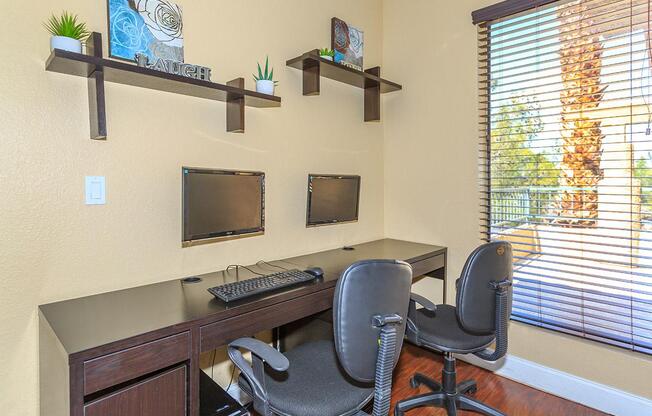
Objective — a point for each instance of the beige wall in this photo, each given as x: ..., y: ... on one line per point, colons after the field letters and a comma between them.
x: 431, y: 194
x: 53, y: 247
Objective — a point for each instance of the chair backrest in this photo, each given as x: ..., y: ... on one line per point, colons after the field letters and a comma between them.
x: 366, y: 289
x: 476, y: 299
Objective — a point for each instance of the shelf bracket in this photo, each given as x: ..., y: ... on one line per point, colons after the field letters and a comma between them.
x: 96, y: 102
x: 372, y: 96
x: 235, y: 108
x: 311, y: 77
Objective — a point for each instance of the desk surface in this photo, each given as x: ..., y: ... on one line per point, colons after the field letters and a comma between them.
x: 92, y: 321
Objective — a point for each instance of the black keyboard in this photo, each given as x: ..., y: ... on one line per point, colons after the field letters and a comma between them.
x: 246, y: 288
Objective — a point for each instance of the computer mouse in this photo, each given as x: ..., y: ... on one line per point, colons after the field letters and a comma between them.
x: 315, y: 271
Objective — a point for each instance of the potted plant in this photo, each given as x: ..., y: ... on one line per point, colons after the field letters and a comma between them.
x: 67, y: 32
x: 327, y: 54
x: 265, y: 80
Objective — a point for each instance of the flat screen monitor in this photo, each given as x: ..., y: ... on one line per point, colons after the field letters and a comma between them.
x: 222, y: 204
x: 332, y: 199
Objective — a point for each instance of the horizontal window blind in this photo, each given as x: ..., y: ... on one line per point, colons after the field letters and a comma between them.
x: 565, y: 95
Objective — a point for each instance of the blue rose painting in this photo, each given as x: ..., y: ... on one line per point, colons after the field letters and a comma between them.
x: 348, y: 43
x: 150, y: 27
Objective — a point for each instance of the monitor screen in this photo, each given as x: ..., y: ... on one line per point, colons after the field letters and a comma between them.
x: 332, y: 199
x: 219, y: 203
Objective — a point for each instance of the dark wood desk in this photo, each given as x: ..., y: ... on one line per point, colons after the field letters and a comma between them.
x: 121, y: 350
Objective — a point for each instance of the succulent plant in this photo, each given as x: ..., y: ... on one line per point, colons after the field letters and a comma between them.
x: 326, y: 52
x: 67, y: 25
x: 268, y: 75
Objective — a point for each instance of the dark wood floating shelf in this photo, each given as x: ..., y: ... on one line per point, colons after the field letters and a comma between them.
x: 314, y: 67
x: 98, y: 70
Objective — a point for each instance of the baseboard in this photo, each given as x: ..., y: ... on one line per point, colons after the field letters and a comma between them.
x: 595, y: 395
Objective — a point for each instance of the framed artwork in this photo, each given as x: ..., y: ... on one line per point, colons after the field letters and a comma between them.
x: 150, y: 27
x: 348, y: 43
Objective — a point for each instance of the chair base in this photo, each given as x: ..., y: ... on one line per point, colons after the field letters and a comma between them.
x: 449, y: 395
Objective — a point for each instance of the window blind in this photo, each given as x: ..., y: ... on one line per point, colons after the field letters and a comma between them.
x: 565, y: 98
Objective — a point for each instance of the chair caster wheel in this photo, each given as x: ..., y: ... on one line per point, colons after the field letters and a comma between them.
x: 414, y: 383
x: 472, y: 390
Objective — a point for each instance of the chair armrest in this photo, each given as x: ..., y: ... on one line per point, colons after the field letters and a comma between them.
x: 412, y: 332
x: 269, y: 355
x: 255, y: 375
x: 423, y: 302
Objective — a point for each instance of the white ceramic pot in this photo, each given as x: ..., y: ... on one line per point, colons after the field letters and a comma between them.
x: 65, y: 43
x: 326, y: 57
x: 265, y: 86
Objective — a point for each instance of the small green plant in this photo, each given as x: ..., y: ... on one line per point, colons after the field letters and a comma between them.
x: 326, y: 52
x: 67, y: 25
x: 267, y: 75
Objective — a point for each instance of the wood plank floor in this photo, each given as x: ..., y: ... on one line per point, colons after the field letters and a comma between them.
x: 508, y: 396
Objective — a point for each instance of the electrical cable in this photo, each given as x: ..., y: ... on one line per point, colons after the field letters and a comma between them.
x: 270, y: 264
x: 238, y: 266
x: 213, y: 364
x: 231, y: 380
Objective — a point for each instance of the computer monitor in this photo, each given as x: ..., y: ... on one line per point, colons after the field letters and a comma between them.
x: 220, y: 204
x: 332, y: 199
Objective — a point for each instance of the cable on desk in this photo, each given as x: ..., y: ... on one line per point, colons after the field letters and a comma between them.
x: 238, y: 266
x: 270, y: 264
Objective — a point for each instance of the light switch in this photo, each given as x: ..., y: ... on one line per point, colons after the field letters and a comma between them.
x: 95, y: 190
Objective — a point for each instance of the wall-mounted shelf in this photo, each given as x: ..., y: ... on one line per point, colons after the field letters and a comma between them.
x: 314, y: 67
x: 98, y: 70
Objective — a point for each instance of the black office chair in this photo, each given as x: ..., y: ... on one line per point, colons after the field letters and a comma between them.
x: 325, y: 378
x: 484, y: 303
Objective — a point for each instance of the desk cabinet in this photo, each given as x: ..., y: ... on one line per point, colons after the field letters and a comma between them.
x: 135, y: 352
x: 160, y: 395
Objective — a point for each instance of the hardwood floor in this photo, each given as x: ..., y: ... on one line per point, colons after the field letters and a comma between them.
x: 508, y: 396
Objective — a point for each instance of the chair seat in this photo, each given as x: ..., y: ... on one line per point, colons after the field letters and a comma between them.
x: 314, y: 385
x: 440, y: 330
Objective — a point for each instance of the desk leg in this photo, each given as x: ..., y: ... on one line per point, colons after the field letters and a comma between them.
x: 76, y: 390
x: 193, y: 378
x: 440, y: 274
x: 445, y: 277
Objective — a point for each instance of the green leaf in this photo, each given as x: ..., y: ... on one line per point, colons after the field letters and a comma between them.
x: 271, y: 75
x: 266, y: 67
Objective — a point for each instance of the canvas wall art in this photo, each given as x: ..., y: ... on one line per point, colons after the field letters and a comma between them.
x: 348, y: 43
x: 150, y: 27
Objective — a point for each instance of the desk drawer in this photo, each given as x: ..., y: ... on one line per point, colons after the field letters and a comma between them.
x: 116, y: 368
x: 222, y: 332
x: 161, y: 395
x: 430, y: 264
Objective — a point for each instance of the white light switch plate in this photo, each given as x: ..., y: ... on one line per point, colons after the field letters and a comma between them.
x: 95, y: 190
